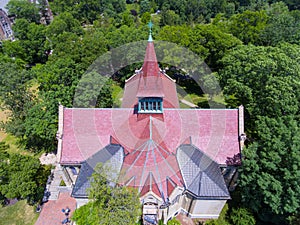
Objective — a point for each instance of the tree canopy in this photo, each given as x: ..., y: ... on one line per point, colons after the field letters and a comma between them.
x: 21, y: 176
x: 108, y: 204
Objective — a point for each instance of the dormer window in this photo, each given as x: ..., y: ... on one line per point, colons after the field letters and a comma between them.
x: 150, y: 105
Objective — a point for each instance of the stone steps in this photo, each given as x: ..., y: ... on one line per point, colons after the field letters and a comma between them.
x: 54, y: 187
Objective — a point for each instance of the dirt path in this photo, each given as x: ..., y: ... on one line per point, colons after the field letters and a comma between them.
x: 3, y: 117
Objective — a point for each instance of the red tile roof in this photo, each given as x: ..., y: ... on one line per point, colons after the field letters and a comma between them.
x: 150, y: 66
x: 150, y: 81
x: 170, y: 186
x: 150, y: 185
x: 86, y: 131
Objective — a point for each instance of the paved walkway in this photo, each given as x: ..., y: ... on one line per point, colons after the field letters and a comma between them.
x: 54, y: 187
x: 51, y: 213
x: 55, y: 177
x: 184, y: 220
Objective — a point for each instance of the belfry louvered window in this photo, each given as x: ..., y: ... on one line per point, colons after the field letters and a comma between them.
x: 150, y: 105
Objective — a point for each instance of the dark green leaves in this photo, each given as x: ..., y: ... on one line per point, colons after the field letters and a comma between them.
x: 118, y: 205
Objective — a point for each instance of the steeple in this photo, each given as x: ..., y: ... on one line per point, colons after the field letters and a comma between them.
x: 150, y: 66
x: 150, y: 88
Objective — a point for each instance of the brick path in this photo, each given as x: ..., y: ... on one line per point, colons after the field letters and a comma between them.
x: 184, y: 220
x: 51, y: 213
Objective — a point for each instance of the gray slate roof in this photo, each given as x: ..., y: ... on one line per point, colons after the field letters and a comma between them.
x: 112, y: 156
x: 202, y: 176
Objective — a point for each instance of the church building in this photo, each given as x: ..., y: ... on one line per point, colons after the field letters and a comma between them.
x: 176, y: 158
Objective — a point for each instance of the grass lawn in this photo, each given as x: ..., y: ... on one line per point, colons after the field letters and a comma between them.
x: 18, y: 214
x: 200, y: 100
x: 12, y: 141
x: 14, y: 146
x: 117, y: 94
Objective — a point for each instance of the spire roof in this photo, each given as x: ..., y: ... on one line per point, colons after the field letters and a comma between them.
x: 150, y: 81
x: 150, y: 84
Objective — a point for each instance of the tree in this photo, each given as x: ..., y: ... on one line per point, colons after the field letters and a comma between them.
x: 14, y: 96
x: 283, y: 26
x: 30, y: 44
x: 88, y: 11
x: 173, y: 222
x: 25, y: 178
x: 169, y: 17
x: 175, y: 34
x: 24, y: 9
x: 241, y: 216
x: 65, y: 22
x: 215, y: 40
x: 108, y: 205
x: 270, y: 175
x: 144, y: 6
x: 248, y: 26
x: 248, y: 70
x: 3, y: 168
x: 93, y: 90
x: 266, y: 81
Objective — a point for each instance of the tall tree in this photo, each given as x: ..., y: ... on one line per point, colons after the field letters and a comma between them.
x: 283, y: 26
x: 108, y: 205
x: 24, y: 9
x: 266, y: 81
x: 270, y: 175
x: 248, y: 26
x: 248, y: 70
x: 30, y: 43
x: 14, y: 96
x: 25, y: 178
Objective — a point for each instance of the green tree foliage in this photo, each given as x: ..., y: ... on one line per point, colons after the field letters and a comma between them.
x: 65, y: 22
x: 270, y: 174
x: 259, y: 76
x: 24, y: 178
x: 108, y: 205
x: 30, y: 43
x: 208, y: 41
x: 283, y: 25
x: 57, y: 84
x: 24, y: 9
x: 248, y: 26
x: 215, y: 40
x: 93, y: 90
x: 169, y: 17
x: 144, y: 6
x: 14, y: 96
x: 194, y: 10
x: 128, y: 19
x: 88, y: 11
x: 241, y: 216
x: 292, y: 4
x: 266, y: 81
x: 176, y: 34
x: 173, y: 222
x: 3, y: 164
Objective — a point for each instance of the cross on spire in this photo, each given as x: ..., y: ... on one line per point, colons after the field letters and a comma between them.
x: 150, y: 25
